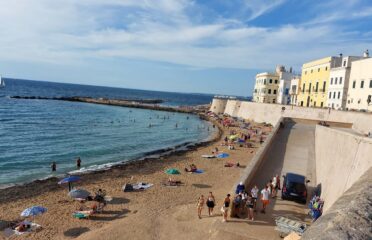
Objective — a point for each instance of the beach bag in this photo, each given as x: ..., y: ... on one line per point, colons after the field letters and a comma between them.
x: 223, y: 209
x: 127, y: 187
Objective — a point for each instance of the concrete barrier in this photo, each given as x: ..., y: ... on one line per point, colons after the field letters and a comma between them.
x: 255, y: 163
x: 341, y: 159
x: 271, y: 113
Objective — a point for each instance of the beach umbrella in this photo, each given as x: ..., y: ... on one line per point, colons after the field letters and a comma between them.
x: 70, y: 180
x: 33, y: 211
x: 222, y: 155
x: 172, y: 171
x: 79, y: 193
x: 232, y: 137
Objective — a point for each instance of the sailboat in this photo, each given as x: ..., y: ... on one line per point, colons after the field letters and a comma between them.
x: 2, y: 83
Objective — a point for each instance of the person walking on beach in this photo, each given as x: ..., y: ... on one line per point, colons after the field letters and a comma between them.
x: 265, y: 193
x: 78, y: 163
x: 225, y: 207
x: 54, y: 166
x: 211, y: 202
x: 200, y: 205
x: 250, y: 206
x: 254, y: 194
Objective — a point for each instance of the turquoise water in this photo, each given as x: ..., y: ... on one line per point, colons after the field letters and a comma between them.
x: 34, y: 133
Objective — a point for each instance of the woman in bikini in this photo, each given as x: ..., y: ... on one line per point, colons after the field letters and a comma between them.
x: 210, y: 203
x: 200, y: 205
x: 250, y: 206
x: 225, y: 207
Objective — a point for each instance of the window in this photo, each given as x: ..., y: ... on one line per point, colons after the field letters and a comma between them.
x: 273, y: 100
x: 264, y: 81
x: 274, y: 91
x: 276, y: 81
x: 316, y: 86
x: 321, y: 104
x: 339, y: 95
x: 362, y: 84
x: 331, y: 80
x: 330, y: 95
x: 324, y: 85
x: 305, y: 72
x: 286, y: 91
x: 309, y: 87
x: 335, y: 80
x: 271, y: 81
x: 326, y: 68
x: 370, y: 83
x: 318, y: 69
x: 334, y: 95
x: 340, y: 80
x: 269, y: 91
x: 303, y: 88
x: 354, y: 83
x: 344, y: 63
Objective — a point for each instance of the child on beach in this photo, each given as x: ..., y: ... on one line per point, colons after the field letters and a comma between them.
x: 265, y: 198
x: 200, y: 205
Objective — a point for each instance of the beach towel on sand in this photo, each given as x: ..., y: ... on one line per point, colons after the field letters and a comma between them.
x: 142, y: 186
x: 198, y: 171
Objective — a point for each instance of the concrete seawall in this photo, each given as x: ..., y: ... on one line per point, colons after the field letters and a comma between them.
x: 341, y: 159
x: 271, y: 113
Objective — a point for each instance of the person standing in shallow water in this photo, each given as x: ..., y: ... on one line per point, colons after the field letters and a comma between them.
x: 78, y: 163
x: 54, y: 166
x: 200, y: 205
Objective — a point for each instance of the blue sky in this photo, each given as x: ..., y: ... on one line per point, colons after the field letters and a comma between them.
x: 209, y: 46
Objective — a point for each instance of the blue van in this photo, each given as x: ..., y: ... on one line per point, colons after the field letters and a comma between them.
x: 294, y: 187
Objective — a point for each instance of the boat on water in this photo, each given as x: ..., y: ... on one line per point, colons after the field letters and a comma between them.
x: 2, y: 82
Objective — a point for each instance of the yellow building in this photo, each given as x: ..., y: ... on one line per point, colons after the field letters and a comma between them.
x: 315, y: 81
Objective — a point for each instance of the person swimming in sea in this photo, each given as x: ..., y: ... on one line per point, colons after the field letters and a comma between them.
x: 54, y: 166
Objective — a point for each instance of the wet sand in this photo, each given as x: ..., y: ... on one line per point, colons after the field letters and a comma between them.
x: 156, y: 213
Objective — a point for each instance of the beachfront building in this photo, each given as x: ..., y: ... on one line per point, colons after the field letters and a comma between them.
x: 359, y: 95
x: 294, y: 90
x: 266, y: 89
x: 315, y: 81
x: 339, y: 83
x: 285, y: 78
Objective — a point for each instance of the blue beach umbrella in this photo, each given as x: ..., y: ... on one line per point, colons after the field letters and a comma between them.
x: 33, y: 211
x: 69, y: 180
x: 79, y: 193
x: 222, y: 155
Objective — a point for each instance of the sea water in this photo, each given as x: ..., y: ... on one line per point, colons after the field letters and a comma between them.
x: 35, y: 133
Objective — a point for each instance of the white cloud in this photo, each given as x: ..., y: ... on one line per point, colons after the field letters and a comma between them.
x: 76, y: 31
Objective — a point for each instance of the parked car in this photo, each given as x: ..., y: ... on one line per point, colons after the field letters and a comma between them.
x: 294, y: 187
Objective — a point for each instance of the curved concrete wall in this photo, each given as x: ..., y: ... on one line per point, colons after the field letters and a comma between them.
x: 218, y: 105
x: 341, y: 159
x: 271, y: 113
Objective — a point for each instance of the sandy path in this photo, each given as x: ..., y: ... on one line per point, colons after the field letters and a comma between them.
x: 157, y: 213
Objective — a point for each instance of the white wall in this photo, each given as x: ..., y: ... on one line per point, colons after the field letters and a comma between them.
x: 341, y: 158
x: 271, y: 113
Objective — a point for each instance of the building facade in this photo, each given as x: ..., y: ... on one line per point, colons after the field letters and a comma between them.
x: 339, y: 83
x: 315, y: 81
x: 284, y: 87
x: 359, y: 95
x: 273, y: 87
x: 294, y: 90
x: 266, y: 87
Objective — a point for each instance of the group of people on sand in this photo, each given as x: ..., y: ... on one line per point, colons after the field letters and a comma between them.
x: 246, y: 200
x: 210, y: 202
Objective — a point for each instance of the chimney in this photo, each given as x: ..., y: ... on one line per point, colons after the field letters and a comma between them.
x: 366, y: 54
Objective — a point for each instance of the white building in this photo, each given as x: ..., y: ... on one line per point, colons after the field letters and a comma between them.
x: 359, y: 96
x: 339, y: 83
x: 284, y: 87
x: 267, y: 87
x: 294, y: 90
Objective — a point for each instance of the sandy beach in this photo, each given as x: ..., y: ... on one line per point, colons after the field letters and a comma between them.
x: 159, y: 212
